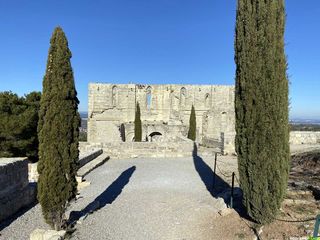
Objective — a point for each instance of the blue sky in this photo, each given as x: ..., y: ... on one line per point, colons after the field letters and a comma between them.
x: 149, y: 41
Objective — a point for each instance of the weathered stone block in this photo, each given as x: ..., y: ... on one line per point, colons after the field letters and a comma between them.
x: 41, y: 234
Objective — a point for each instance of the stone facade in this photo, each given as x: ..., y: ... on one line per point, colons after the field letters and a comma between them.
x: 304, y: 137
x: 15, y: 190
x: 165, y: 113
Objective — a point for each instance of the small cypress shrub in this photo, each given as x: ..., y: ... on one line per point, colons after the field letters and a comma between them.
x: 58, y: 132
x: 192, y: 125
x: 137, y: 125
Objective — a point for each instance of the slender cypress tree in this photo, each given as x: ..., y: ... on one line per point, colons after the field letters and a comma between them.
x: 261, y: 104
x: 58, y: 132
x: 137, y: 125
x: 192, y: 125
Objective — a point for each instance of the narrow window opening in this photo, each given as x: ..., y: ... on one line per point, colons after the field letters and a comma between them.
x: 149, y: 98
x: 183, y: 97
x: 207, y: 100
x: 114, y: 96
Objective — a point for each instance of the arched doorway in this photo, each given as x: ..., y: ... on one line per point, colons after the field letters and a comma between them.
x: 155, y: 137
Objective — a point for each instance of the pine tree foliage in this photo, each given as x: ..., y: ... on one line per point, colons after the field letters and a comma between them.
x: 261, y: 102
x: 192, y: 125
x: 58, y: 132
x: 18, y: 125
x: 137, y: 125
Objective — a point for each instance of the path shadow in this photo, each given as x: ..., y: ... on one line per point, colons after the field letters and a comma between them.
x: 221, y: 188
x: 207, y: 175
x: 6, y: 222
x: 108, y: 196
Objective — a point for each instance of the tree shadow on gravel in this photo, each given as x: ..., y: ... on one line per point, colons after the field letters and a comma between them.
x: 221, y: 188
x: 108, y: 196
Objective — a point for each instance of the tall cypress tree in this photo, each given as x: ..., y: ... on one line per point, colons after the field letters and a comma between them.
x: 192, y: 125
x: 261, y: 102
x: 137, y: 125
x: 58, y: 132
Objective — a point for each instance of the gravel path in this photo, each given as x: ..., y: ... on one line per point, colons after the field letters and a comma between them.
x: 149, y: 199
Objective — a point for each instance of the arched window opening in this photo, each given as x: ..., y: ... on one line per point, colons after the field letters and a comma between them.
x: 183, y: 93
x: 207, y: 100
x: 224, y: 118
x: 114, y: 96
x: 149, y: 98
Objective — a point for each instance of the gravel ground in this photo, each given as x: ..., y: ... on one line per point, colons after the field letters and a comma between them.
x: 20, y: 228
x: 165, y: 198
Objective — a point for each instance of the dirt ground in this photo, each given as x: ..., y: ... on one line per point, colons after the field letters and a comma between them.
x: 301, y: 203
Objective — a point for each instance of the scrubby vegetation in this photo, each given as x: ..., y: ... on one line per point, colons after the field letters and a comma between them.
x: 304, y: 127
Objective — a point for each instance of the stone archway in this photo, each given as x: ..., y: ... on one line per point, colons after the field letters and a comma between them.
x: 155, y: 137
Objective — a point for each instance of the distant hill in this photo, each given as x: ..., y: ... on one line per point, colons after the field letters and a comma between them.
x: 84, y: 125
x: 83, y: 114
x: 300, y: 124
x: 305, y: 121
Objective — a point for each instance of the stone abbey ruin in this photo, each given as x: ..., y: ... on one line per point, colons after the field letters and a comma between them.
x: 165, y: 113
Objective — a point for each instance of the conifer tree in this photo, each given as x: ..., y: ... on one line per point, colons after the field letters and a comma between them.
x: 18, y: 125
x: 261, y: 104
x: 192, y: 125
x: 137, y: 125
x: 58, y: 132
x: 32, y: 100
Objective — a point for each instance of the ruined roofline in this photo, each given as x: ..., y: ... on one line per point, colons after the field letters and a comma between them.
x: 146, y: 85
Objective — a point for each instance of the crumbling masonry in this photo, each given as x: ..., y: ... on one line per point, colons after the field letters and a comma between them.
x: 165, y: 112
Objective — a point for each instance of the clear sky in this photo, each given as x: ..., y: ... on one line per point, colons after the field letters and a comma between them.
x: 151, y: 42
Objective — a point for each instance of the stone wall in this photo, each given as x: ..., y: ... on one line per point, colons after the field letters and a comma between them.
x: 144, y: 149
x: 33, y: 172
x: 88, y: 156
x: 304, y: 137
x: 15, y: 190
x: 165, y: 112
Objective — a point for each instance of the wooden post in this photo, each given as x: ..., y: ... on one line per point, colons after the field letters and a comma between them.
x: 214, y: 171
x: 316, y: 227
x: 232, y: 186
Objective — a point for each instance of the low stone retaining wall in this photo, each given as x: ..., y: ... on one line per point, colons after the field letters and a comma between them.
x: 142, y: 149
x: 15, y: 190
x: 148, y: 149
x: 304, y: 137
x: 89, y: 147
x: 88, y: 156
